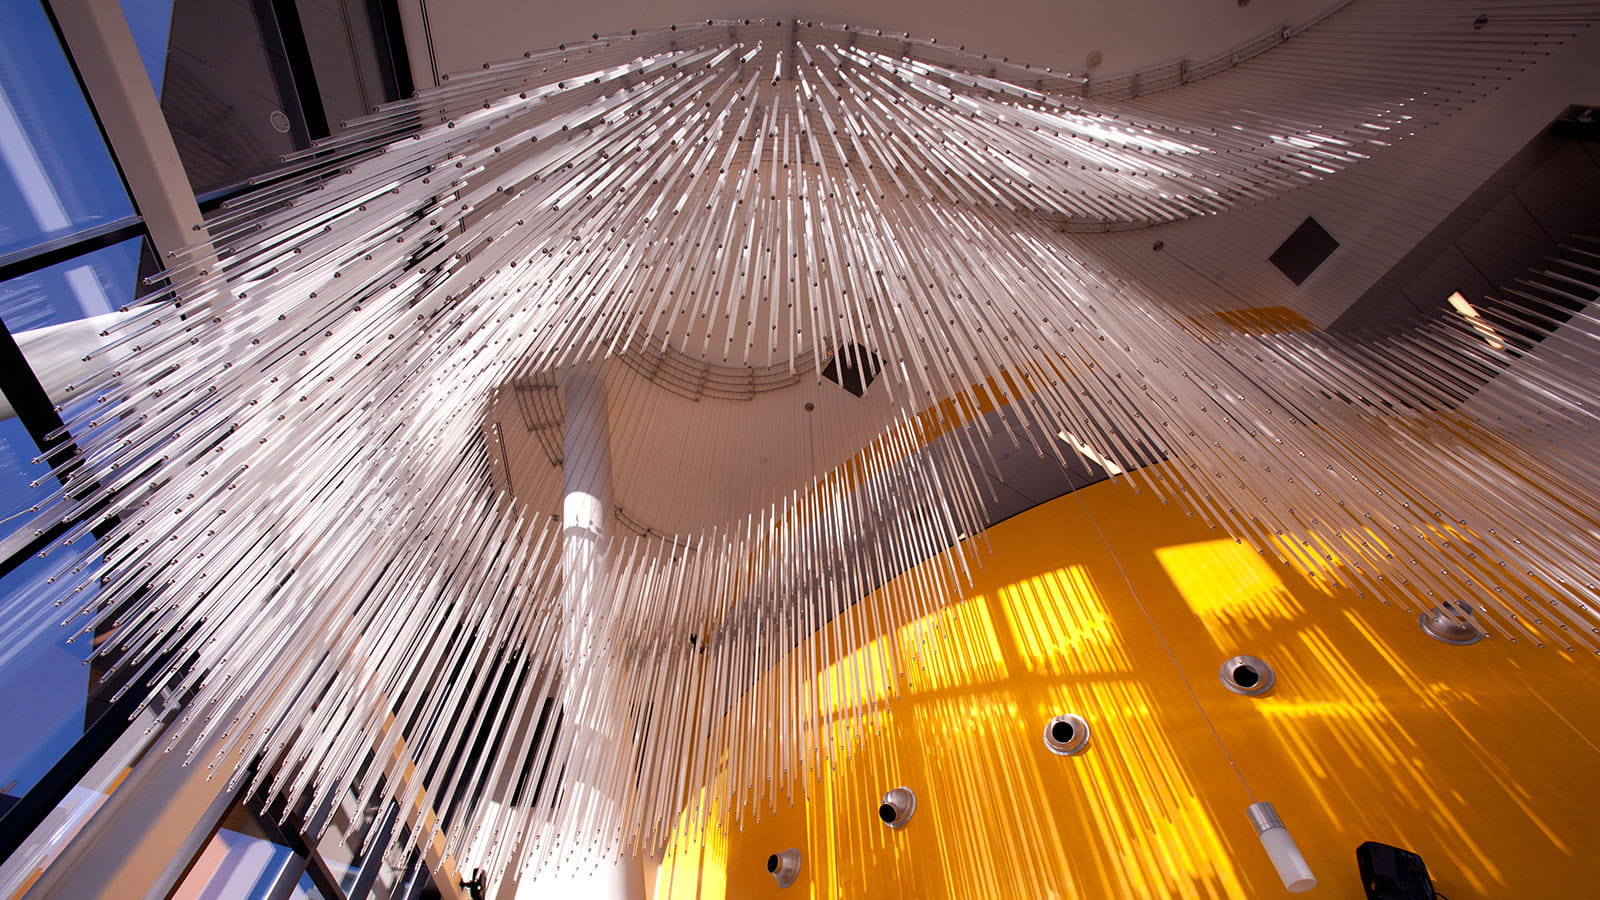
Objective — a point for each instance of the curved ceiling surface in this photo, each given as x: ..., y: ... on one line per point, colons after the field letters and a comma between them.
x: 1127, y: 36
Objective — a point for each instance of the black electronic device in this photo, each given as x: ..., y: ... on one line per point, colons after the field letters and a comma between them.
x: 1580, y: 122
x: 1390, y: 873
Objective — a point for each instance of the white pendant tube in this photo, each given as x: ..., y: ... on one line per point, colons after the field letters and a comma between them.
x: 1279, y: 843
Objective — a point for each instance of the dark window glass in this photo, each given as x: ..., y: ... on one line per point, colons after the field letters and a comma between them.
x: 305, y: 889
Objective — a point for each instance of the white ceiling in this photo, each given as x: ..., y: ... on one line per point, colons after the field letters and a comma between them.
x: 1131, y: 35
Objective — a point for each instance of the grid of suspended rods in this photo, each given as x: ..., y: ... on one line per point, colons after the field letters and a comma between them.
x: 283, y: 459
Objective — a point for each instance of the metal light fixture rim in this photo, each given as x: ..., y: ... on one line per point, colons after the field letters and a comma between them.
x: 889, y: 799
x: 1079, y: 741
x: 1267, y: 677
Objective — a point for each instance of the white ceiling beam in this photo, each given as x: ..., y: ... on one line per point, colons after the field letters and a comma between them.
x: 107, y: 59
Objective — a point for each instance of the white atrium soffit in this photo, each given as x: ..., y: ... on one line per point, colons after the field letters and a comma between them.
x: 1106, y: 41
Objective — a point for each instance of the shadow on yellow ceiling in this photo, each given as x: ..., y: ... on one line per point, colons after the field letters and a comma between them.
x: 1112, y: 606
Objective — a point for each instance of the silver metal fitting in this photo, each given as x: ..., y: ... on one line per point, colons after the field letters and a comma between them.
x: 1263, y: 817
x: 1247, y: 675
x: 785, y: 866
x: 1450, y: 622
x: 1066, y: 734
x: 897, y: 806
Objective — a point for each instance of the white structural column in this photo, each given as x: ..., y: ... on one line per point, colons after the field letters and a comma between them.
x: 585, y: 505
x: 102, y: 48
x: 592, y: 715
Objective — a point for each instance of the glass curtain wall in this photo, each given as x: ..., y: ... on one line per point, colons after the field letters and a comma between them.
x: 73, y: 247
x: 61, y: 197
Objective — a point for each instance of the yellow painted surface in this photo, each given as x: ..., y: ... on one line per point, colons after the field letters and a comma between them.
x: 1483, y: 759
x: 1260, y: 320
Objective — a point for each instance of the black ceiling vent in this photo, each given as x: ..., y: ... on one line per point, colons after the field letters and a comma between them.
x: 1306, y: 249
x: 853, y: 368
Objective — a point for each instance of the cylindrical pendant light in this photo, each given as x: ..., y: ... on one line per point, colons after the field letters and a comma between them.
x: 1280, y: 846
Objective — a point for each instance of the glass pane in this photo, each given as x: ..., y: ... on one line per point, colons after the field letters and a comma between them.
x: 305, y: 889
x: 235, y: 866
x: 151, y: 24
x: 24, y: 866
x: 89, y: 285
x: 241, y: 862
x: 42, y: 677
x: 56, y: 175
x: 52, y: 695
x: 229, y: 94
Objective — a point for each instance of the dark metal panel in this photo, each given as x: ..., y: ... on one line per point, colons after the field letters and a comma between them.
x: 33, y: 405
x: 372, y: 859
x: 292, y: 38
x: 390, y: 40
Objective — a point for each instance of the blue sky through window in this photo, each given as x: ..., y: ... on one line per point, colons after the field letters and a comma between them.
x: 56, y: 175
x: 43, y: 680
x: 151, y: 23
